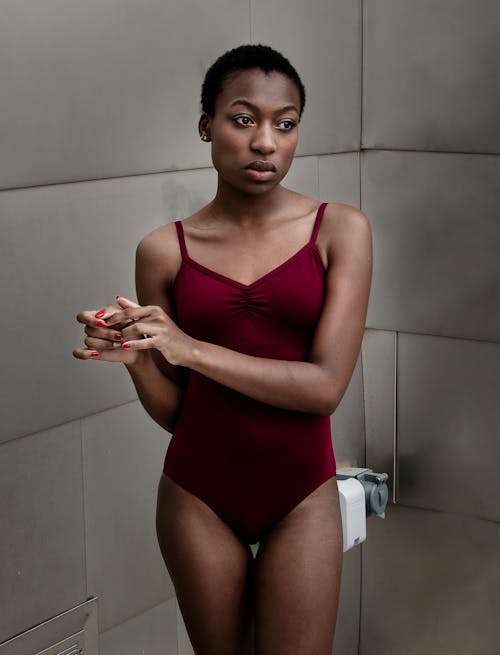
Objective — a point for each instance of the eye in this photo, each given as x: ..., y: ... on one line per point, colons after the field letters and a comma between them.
x: 287, y: 124
x: 243, y: 119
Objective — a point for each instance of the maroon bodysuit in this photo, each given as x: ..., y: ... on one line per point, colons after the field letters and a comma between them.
x: 249, y: 461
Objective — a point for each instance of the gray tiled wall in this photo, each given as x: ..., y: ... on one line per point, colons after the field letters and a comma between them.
x: 42, y: 547
x: 430, y: 72
x: 431, y: 358
x: 431, y: 584
x: 436, y: 235
x: 99, y: 111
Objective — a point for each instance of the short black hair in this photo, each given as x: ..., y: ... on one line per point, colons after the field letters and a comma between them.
x: 246, y: 57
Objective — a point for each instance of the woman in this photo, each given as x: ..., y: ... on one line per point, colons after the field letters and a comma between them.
x: 250, y: 322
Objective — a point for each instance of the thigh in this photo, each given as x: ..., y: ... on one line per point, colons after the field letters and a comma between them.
x: 297, y: 578
x: 210, y: 568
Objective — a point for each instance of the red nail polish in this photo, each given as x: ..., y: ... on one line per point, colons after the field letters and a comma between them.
x: 126, y: 345
x: 94, y: 354
x: 100, y: 314
x: 100, y: 324
x: 118, y: 336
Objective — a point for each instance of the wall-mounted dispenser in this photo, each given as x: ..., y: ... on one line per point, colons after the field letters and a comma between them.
x: 362, y: 493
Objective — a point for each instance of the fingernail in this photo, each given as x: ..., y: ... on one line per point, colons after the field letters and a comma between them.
x: 116, y: 297
x: 94, y: 353
x: 126, y: 345
x: 118, y: 336
x: 100, y: 324
x: 100, y: 313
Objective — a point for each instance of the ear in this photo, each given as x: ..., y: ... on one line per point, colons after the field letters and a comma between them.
x: 204, y: 127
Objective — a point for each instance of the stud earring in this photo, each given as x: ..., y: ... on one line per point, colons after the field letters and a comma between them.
x: 204, y: 137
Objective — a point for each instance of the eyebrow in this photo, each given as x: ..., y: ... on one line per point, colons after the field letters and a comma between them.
x: 246, y: 103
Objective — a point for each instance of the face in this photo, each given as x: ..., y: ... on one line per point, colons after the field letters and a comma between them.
x: 254, y: 130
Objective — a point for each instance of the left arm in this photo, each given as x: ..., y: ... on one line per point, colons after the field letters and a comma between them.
x: 316, y: 386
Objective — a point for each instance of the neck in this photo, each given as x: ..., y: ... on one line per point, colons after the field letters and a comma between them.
x: 239, y: 207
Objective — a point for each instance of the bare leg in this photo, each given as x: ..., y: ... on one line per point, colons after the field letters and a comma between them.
x: 297, y: 578
x: 211, y: 571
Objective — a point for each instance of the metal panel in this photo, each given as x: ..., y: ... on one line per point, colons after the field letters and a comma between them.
x: 348, y: 423
x: 73, y: 645
x: 96, y: 90
x: 436, y: 239
x: 431, y: 584
x: 322, y: 39
x: 379, y: 379
x: 303, y: 176
x: 79, y: 621
x: 153, y: 632
x: 339, y: 178
x: 55, y: 246
x: 429, y: 73
x: 347, y: 629
x: 123, y: 451
x: 42, y: 553
x: 449, y: 424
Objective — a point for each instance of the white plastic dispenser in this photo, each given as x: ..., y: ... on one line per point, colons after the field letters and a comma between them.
x: 353, y: 511
x: 361, y: 493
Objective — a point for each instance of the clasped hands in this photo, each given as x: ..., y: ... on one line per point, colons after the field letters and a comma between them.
x: 124, y: 333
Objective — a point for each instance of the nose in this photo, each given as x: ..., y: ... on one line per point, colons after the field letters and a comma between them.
x: 263, y: 139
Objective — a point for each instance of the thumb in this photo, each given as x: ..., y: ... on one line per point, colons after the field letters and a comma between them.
x: 125, y: 302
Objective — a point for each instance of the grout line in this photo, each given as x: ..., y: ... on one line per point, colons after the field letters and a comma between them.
x: 361, y: 75
x: 89, y: 180
x: 84, y: 511
x: 360, y: 595
x: 361, y: 17
x: 433, y: 335
x: 448, y: 512
x: 250, y: 17
x: 395, y: 423
x: 203, y: 168
x: 69, y: 421
x: 318, y: 186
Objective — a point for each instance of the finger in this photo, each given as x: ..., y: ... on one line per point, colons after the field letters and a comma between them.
x: 104, y: 334
x: 97, y: 318
x: 130, y: 314
x: 115, y: 355
x: 137, y: 330
x: 101, y: 344
x: 106, y: 312
x: 125, y: 302
x: 85, y: 353
x: 139, y: 344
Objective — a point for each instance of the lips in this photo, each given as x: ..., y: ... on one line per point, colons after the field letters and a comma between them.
x: 261, y: 165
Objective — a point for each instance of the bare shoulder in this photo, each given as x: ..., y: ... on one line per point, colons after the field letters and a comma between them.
x: 159, y: 252
x: 344, y: 227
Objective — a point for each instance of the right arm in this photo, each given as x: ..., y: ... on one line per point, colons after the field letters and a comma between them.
x: 159, y: 385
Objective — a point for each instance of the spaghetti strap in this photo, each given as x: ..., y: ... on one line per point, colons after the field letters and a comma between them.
x: 182, y: 241
x: 317, y: 222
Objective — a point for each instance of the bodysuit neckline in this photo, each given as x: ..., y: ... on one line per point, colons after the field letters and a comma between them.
x: 310, y: 245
